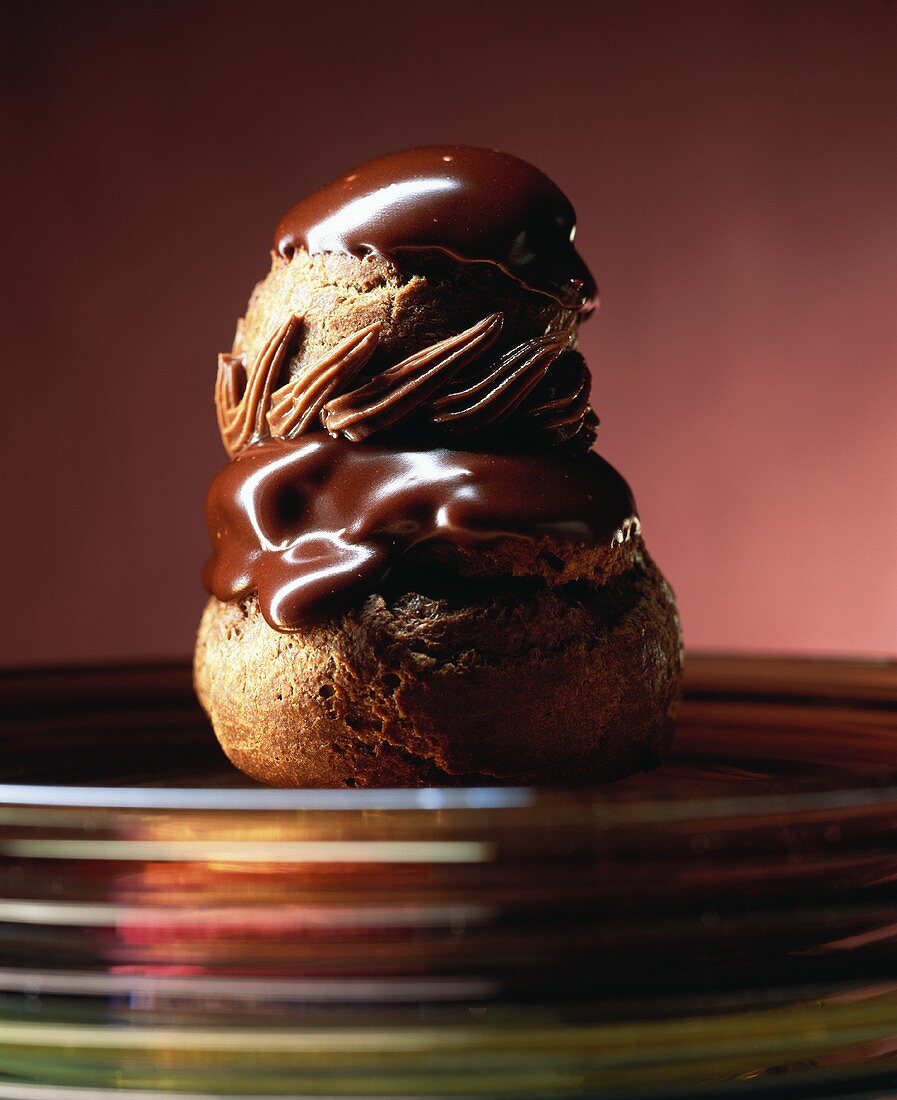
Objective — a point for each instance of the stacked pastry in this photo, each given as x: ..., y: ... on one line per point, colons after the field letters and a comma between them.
x: 421, y: 571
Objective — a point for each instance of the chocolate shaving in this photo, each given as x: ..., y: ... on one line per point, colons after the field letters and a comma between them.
x: 494, y: 397
x: 243, y: 397
x: 402, y: 390
x: 297, y: 405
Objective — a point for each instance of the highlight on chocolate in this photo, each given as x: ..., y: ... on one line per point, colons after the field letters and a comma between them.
x: 475, y: 205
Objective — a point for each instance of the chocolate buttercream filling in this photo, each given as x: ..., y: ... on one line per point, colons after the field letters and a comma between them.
x: 313, y: 526
x: 537, y: 392
x: 475, y: 205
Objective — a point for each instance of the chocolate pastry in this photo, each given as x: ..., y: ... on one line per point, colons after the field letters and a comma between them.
x: 421, y: 572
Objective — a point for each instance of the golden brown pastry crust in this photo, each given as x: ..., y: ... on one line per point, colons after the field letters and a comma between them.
x: 428, y: 300
x: 556, y: 676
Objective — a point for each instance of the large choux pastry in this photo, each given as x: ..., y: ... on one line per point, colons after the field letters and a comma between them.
x: 422, y: 574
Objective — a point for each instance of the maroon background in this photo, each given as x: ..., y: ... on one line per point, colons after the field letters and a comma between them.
x: 734, y: 165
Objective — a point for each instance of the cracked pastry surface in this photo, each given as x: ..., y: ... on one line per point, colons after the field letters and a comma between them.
x: 377, y: 348
x: 490, y: 679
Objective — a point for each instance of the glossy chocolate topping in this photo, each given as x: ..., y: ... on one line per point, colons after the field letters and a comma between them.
x: 315, y: 525
x: 476, y: 205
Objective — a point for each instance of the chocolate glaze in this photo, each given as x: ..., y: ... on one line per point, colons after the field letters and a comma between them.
x: 314, y: 525
x: 476, y: 205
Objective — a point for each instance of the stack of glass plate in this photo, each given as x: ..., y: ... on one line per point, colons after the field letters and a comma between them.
x: 725, y: 926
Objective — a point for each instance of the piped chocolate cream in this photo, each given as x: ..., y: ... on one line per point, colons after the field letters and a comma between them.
x: 475, y: 205
x: 342, y: 468
x: 452, y: 390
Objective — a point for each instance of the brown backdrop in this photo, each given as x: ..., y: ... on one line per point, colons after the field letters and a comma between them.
x: 734, y: 165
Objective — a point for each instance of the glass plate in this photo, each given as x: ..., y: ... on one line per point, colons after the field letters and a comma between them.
x: 724, y: 926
